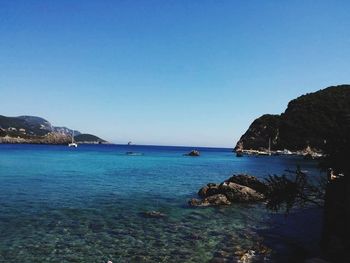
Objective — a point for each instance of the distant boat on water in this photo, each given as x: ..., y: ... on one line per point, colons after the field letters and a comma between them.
x: 134, y: 153
x: 73, y: 144
x: 284, y: 152
x: 129, y: 143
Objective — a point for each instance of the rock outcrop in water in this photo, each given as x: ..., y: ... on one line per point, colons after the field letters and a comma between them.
x: 237, y: 189
x: 249, y: 181
x: 310, y: 120
x: 193, y: 153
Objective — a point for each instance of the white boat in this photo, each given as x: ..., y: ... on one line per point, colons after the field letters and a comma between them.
x: 287, y: 152
x: 73, y: 144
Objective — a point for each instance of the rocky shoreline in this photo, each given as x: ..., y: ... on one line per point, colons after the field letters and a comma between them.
x: 50, y: 138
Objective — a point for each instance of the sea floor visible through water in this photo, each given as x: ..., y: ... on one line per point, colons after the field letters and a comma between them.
x: 59, y: 204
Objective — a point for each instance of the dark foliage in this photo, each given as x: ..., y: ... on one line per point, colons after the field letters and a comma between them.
x: 287, y: 191
x: 87, y: 138
x: 313, y: 119
x: 334, y: 193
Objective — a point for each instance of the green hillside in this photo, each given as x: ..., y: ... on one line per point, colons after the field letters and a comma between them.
x: 311, y: 119
x: 88, y: 138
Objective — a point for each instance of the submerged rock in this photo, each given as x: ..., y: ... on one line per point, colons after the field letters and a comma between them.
x: 96, y: 226
x: 247, y: 256
x: 153, y: 214
x: 214, y: 200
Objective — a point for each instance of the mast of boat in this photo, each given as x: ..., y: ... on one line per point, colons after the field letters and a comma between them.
x: 72, y: 144
x: 270, y: 146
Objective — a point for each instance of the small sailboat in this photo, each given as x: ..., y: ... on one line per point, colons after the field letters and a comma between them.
x: 73, y: 144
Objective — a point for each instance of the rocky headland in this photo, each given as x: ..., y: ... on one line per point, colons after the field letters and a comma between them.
x: 310, y: 122
x: 317, y: 122
x: 36, y: 130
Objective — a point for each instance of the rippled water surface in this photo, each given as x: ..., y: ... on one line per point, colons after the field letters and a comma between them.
x: 59, y: 204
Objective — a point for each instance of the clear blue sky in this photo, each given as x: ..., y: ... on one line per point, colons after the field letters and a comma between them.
x: 167, y: 72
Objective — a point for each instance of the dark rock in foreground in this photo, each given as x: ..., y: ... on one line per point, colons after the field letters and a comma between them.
x: 208, y: 190
x: 237, y: 189
x: 249, y: 181
x: 239, y: 193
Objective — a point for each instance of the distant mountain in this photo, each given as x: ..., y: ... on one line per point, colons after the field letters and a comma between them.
x: 32, y: 129
x: 88, y: 138
x: 65, y: 130
x: 35, y: 123
x: 310, y: 120
x: 17, y: 126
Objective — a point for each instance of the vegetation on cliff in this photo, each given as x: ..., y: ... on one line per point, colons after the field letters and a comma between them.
x: 88, y: 138
x: 320, y: 120
x: 314, y: 120
x: 296, y: 190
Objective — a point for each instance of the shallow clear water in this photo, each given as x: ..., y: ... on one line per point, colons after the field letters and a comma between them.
x: 59, y: 204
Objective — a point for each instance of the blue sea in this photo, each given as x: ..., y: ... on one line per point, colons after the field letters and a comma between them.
x: 86, y: 204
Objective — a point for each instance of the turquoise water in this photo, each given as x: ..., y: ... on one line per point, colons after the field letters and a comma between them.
x: 60, y: 204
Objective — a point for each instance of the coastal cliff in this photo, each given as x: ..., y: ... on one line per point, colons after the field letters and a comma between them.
x: 32, y: 129
x: 309, y: 120
x: 88, y: 139
x: 319, y: 120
